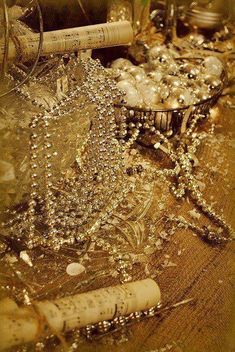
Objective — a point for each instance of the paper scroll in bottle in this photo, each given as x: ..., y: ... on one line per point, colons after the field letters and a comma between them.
x: 69, y: 40
x: 22, y: 325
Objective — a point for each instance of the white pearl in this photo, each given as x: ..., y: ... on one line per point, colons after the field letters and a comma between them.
x: 121, y: 64
x: 172, y: 67
x: 184, y: 96
x: 164, y: 91
x: 151, y: 99
x: 125, y: 85
x: 155, y: 51
x: 74, y: 269
x: 172, y: 103
x: 155, y: 75
x: 149, y: 82
x: 137, y: 72
x: 161, y: 62
x: 212, y: 80
x: 149, y: 92
x: 187, y: 97
x: 213, y: 66
x: 123, y: 75
x: 149, y: 85
x: 132, y: 96
x: 159, y: 56
x: 174, y: 81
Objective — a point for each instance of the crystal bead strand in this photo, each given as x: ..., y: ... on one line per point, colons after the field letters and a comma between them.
x: 34, y: 153
x: 48, y: 195
x: 187, y: 182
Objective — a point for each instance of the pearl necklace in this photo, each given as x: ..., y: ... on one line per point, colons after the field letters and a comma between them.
x: 182, y: 156
x: 77, y: 212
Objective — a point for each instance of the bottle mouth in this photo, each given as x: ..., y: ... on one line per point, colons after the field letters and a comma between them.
x: 204, y: 19
x: 200, y: 11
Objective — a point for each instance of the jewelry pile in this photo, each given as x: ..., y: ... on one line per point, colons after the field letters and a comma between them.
x: 76, y: 208
x: 166, y: 80
x: 109, y: 211
x: 88, y: 197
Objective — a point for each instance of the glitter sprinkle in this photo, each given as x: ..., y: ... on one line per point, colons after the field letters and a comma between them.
x: 194, y: 214
x: 11, y: 259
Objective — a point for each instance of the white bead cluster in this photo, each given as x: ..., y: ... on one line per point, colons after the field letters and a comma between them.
x: 166, y: 81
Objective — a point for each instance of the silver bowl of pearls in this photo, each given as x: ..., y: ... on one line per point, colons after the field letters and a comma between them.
x: 158, y: 93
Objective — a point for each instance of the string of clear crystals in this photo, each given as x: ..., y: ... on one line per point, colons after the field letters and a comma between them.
x: 77, y: 206
x: 181, y: 151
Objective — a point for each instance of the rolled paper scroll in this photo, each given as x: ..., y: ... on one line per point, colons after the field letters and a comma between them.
x: 69, y: 40
x: 23, y: 325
